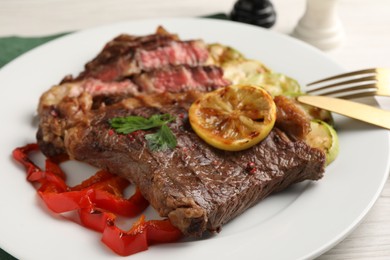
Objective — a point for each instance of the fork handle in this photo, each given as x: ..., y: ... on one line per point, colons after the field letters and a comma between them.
x: 362, y: 112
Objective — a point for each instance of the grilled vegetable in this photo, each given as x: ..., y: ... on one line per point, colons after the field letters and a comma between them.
x: 324, y: 137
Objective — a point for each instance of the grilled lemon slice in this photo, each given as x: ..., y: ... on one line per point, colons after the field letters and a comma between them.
x: 233, y: 118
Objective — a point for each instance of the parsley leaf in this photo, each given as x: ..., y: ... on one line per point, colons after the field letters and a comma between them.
x: 129, y: 124
x: 163, y: 139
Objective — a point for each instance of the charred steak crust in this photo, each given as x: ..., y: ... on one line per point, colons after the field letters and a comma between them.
x: 197, y: 186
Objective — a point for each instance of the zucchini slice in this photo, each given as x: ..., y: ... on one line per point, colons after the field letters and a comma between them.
x: 324, y: 137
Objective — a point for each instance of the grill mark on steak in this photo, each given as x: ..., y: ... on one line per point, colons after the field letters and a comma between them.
x: 196, y: 194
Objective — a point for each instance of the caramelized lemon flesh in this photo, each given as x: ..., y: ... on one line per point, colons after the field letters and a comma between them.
x: 233, y: 118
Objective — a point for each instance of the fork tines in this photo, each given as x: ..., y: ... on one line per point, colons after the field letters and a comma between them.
x: 362, y: 83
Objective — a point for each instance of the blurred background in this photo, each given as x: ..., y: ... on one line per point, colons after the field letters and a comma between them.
x: 366, y: 23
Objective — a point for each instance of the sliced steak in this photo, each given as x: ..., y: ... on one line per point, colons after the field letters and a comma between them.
x: 173, y: 79
x: 197, y: 186
x: 128, y: 55
x: 65, y: 105
x: 181, y: 78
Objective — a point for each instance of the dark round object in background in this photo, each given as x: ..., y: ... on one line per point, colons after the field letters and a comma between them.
x: 257, y: 12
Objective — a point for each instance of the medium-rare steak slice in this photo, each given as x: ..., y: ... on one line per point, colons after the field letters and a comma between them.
x: 180, y: 79
x: 196, y: 186
x: 127, y: 55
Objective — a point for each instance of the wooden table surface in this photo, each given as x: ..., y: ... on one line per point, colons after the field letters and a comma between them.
x: 367, y: 29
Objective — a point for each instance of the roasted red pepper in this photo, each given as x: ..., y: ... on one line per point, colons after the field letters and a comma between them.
x: 142, y: 234
x: 97, y: 200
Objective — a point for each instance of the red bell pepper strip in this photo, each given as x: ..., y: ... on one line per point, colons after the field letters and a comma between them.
x: 107, y: 194
x: 97, y: 200
x: 104, y: 189
x: 95, y: 219
x: 140, y: 236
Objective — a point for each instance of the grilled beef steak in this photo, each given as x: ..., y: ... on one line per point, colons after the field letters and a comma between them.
x: 197, y: 186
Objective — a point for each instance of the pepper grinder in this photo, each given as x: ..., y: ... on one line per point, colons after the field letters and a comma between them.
x: 257, y: 12
x: 320, y: 25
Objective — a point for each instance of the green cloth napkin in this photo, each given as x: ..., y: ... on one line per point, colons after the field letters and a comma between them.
x: 5, y: 256
x: 13, y: 46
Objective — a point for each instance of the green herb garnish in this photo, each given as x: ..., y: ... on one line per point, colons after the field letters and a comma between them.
x: 161, y: 140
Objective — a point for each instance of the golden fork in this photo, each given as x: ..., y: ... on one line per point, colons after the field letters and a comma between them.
x: 363, y: 83
x: 356, y: 84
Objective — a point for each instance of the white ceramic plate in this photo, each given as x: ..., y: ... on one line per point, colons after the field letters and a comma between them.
x: 301, y: 222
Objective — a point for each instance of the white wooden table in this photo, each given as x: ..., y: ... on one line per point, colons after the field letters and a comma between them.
x: 367, y: 27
